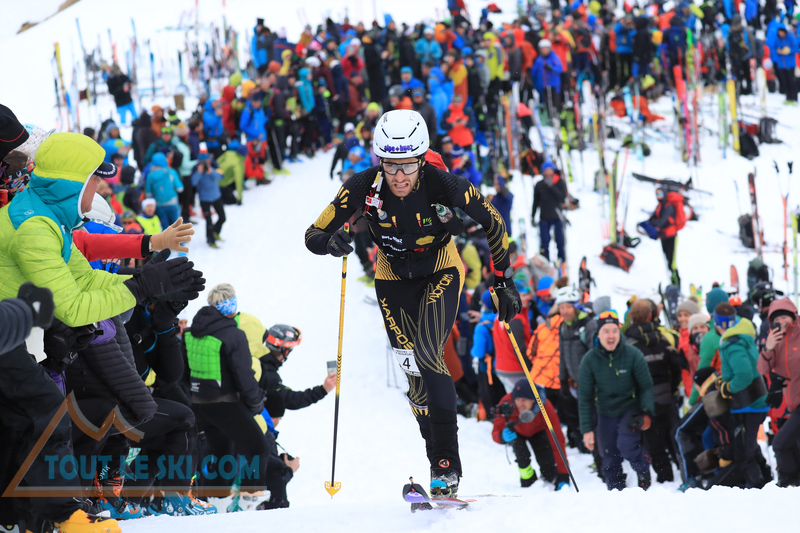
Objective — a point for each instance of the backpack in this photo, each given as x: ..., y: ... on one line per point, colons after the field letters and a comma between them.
x: 757, y: 272
x: 676, y: 200
x: 746, y: 231
x: 616, y: 255
x: 747, y: 146
x: 766, y: 131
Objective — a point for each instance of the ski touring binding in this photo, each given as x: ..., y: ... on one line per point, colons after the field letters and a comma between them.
x: 414, y: 494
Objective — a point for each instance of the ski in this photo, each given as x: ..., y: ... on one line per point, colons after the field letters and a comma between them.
x: 758, y: 233
x: 523, y: 237
x: 731, y: 84
x: 585, y: 281
x: 673, y: 295
x: 734, y: 281
x: 414, y: 494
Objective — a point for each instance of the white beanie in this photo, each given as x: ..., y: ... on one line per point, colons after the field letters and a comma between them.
x: 698, y: 318
x: 545, y: 43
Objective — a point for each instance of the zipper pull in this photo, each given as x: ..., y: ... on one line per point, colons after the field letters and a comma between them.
x: 419, y: 222
x: 394, y: 221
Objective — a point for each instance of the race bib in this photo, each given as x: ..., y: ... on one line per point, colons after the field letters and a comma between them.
x: 405, y: 358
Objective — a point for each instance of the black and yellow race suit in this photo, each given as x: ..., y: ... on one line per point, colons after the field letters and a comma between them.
x: 418, y: 280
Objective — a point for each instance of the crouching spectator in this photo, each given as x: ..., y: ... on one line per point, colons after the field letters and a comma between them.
x: 616, y: 388
x: 519, y: 422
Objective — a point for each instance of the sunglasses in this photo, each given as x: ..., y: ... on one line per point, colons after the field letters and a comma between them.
x: 407, y: 168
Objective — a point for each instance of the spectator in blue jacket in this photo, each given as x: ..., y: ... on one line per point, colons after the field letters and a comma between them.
x: 408, y: 81
x: 261, y: 46
x: 280, y: 44
x: 253, y: 121
x: 213, y: 127
x: 751, y: 14
x: 482, y: 351
x: 463, y: 164
x: 356, y: 161
x: 427, y: 47
x: 163, y: 185
x: 503, y: 201
x: 782, y: 49
x: 439, y: 100
x: 305, y: 91
x: 625, y: 32
x: 674, y: 39
x: 546, y: 75
x: 206, y: 180
x: 114, y: 144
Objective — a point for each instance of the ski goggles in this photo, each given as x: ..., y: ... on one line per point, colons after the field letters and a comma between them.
x: 407, y: 168
x: 607, y: 317
x: 724, y: 321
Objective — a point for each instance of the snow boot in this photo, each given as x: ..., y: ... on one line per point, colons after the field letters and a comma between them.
x: 80, y: 522
x: 527, y: 476
x: 643, y: 480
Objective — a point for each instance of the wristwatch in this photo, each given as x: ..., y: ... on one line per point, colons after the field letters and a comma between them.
x: 507, y: 273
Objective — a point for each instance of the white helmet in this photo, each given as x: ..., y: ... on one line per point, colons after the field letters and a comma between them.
x: 567, y: 295
x: 400, y: 133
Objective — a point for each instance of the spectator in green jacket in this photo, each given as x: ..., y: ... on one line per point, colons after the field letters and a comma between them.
x: 742, y: 384
x: 231, y: 166
x: 616, y: 386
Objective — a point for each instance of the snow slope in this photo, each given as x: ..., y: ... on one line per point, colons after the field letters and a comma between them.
x: 379, y: 446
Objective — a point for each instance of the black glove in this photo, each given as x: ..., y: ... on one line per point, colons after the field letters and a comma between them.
x: 258, y: 408
x: 62, y: 343
x: 775, y: 393
x: 163, y: 317
x: 40, y: 300
x: 339, y: 243
x: 198, y: 285
x: 640, y: 421
x: 508, y: 303
x: 157, y: 278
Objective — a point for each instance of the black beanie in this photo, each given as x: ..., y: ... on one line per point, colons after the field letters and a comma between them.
x: 781, y: 312
x: 522, y: 389
x: 127, y: 175
x: 12, y: 133
x: 275, y: 405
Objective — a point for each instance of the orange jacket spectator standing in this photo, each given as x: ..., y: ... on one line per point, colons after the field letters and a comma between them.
x: 451, y: 355
x: 528, y: 52
x: 544, y: 354
x: 158, y: 120
x: 457, y: 73
x: 563, y: 44
x: 459, y: 121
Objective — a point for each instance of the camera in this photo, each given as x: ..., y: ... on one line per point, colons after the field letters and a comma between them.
x: 505, y: 410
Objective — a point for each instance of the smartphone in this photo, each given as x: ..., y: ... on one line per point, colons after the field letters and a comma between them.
x: 775, y: 325
x: 331, y: 366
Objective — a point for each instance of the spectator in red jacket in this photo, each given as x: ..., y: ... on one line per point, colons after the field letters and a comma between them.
x: 228, y: 114
x: 518, y: 422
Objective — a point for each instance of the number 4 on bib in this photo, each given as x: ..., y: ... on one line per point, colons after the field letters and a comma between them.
x: 405, y: 359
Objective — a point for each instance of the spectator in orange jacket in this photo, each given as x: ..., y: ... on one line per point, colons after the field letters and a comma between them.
x: 518, y: 422
x: 545, y: 356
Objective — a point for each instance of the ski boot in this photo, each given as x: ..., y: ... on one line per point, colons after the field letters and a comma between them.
x: 111, y: 499
x: 444, y: 485
x: 269, y: 504
x: 176, y: 504
x: 80, y: 522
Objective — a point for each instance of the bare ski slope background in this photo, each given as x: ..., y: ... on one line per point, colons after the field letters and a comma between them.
x: 280, y: 282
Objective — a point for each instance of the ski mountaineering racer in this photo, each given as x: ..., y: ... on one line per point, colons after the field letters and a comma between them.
x: 419, y: 274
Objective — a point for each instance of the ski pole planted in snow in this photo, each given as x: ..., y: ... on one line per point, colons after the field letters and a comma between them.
x: 333, y: 486
x: 535, y: 393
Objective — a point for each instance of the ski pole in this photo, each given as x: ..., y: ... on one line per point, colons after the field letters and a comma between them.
x: 333, y: 486
x: 535, y: 393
